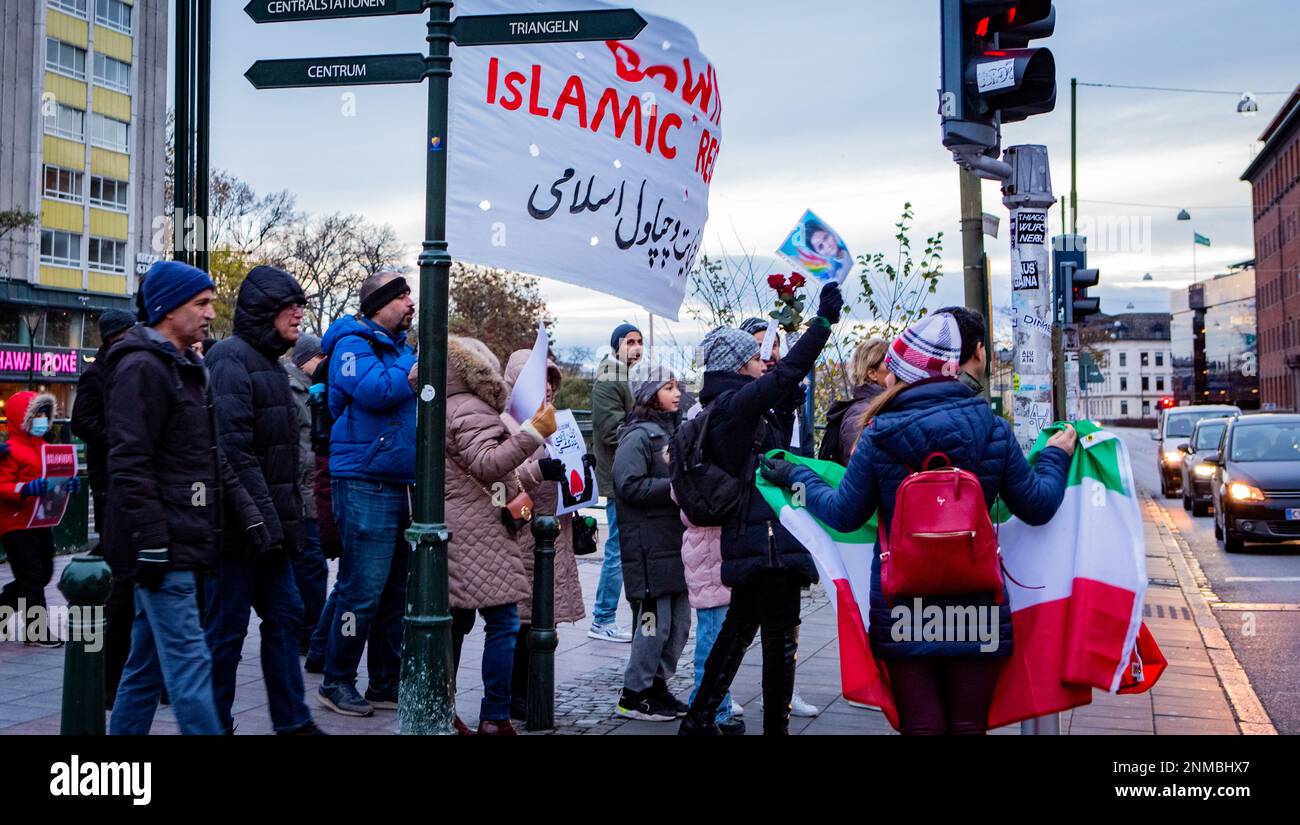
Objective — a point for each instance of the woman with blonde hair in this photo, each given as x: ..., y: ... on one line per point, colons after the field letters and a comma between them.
x: 844, y: 419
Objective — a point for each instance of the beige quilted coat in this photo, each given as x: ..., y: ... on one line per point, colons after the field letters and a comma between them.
x: 568, y: 587
x: 485, y: 564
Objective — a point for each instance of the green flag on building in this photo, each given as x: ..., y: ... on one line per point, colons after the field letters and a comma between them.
x: 1200, y: 239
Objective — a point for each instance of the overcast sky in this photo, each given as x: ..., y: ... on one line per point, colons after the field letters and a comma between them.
x: 830, y: 105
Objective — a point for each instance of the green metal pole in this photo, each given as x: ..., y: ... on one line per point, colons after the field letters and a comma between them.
x: 974, y: 262
x: 181, y: 162
x: 542, y: 638
x: 1074, y: 156
x: 85, y: 584
x: 426, y: 701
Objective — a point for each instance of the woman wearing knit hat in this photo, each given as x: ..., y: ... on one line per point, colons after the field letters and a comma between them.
x: 931, y: 405
x: 651, y: 529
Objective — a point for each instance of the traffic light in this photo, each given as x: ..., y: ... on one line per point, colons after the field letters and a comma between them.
x: 989, y: 76
x: 1165, y: 403
x: 1071, y: 278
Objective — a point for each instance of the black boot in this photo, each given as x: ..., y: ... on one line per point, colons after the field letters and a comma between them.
x: 779, y: 649
x: 724, y: 660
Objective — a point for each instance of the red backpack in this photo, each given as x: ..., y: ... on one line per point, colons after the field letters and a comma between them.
x: 941, y: 541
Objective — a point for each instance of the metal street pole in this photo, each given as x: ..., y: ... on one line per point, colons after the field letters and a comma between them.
x: 974, y: 268
x: 202, y: 128
x: 1074, y: 156
x: 426, y: 701
x: 181, y: 132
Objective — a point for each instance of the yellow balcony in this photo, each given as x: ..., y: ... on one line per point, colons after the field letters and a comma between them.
x: 59, y: 215
x: 106, y: 224
x: 62, y: 277
x: 66, y: 153
x: 67, y: 91
x: 112, y: 43
x: 67, y: 28
x: 104, y: 282
x: 114, y: 104
x: 109, y: 164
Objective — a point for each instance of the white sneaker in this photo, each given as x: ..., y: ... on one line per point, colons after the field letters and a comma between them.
x: 737, y: 709
x: 609, y: 633
x: 798, y: 707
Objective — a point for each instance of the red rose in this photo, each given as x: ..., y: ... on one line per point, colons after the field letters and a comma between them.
x: 797, y: 280
x: 776, y: 280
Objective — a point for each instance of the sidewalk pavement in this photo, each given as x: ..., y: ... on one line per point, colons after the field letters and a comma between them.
x: 1204, y: 690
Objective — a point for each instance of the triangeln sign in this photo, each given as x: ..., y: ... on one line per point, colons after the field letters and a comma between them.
x: 585, y: 162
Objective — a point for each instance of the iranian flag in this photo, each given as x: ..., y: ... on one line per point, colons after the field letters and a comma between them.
x: 1076, y: 612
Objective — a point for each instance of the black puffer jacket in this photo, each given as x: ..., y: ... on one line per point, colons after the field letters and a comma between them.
x: 90, y: 425
x: 743, y: 425
x: 257, y: 419
x: 649, y: 524
x: 170, y: 484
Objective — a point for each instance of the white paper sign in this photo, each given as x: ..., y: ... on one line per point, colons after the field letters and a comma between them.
x: 529, y: 392
x: 579, y: 488
x: 769, y: 341
x: 586, y: 162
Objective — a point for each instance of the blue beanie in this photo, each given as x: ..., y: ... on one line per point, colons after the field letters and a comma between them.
x: 620, y: 332
x: 169, y: 284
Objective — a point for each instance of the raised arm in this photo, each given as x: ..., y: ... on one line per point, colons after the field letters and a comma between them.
x: 847, y: 507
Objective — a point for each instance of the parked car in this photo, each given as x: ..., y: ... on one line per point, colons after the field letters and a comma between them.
x: 1197, y: 473
x: 1175, y: 427
x: 1257, y: 481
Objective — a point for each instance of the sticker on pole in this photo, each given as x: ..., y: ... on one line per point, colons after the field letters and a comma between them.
x: 996, y: 74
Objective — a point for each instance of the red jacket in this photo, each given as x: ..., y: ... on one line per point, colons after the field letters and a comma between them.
x: 24, y: 460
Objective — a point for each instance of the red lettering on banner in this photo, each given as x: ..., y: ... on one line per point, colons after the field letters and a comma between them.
x: 574, y: 94
x: 609, y: 99
x: 493, y: 65
x: 672, y: 121
x: 534, y: 91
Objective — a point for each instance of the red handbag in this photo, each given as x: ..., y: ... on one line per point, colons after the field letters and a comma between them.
x: 941, y: 541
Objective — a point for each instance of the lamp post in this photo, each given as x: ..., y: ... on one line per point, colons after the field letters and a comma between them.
x: 32, y: 317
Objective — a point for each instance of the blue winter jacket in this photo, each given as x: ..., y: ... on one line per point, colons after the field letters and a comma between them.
x: 945, y: 415
x: 372, y: 402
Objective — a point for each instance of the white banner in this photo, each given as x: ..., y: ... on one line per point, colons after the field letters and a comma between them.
x: 585, y: 162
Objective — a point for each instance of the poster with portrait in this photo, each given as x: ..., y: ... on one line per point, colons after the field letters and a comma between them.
x: 59, y: 465
x: 578, y: 489
x: 817, y: 249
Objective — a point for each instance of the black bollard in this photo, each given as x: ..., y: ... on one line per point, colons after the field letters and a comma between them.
x: 542, y: 639
x: 85, y: 584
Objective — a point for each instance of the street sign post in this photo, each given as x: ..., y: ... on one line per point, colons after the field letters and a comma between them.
x: 425, y: 698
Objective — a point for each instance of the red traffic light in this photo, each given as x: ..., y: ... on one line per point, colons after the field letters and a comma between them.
x: 1165, y: 403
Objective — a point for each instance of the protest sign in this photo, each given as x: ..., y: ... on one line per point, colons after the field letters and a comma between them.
x: 59, y: 465
x: 817, y: 249
x: 579, y: 487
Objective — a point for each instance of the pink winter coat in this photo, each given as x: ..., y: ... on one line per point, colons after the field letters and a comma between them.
x: 702, y: 558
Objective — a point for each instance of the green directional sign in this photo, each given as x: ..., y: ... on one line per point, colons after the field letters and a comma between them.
x: 337, y: 71
x: 546, y: 27
x: 280, y: 11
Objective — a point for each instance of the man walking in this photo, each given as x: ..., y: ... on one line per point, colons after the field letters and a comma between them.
x: 372, y: 374
x: 169, y: 490
x: 610, y: 402
x: 257, y: 425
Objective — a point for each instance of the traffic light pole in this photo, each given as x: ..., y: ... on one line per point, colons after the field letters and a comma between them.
x: 973, y: 259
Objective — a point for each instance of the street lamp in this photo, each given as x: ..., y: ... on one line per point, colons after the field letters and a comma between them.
x: 32, y: 318
x: 1183, y: 216
x: 1247, y: 107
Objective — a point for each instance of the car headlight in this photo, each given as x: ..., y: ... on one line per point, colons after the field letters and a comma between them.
x: 1244, y: 492
x: 1203, y: 470
x: 1173, y: 456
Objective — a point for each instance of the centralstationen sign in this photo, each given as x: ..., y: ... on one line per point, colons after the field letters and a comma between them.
x: 278, y: 11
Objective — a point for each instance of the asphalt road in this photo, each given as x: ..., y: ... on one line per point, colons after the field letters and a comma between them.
x: 1265, y: 638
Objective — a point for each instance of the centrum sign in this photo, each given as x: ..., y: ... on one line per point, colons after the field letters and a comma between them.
x: 337, y: 71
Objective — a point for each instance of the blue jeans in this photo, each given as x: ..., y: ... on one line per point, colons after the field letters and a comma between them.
x: 264, y: 584
x: 310, y: 574
x: 501, y: 626
x: 372, y: 517
x: 708, y: 621
x: 611, y: 574
x: 320, y: 636
x: 167, y: 649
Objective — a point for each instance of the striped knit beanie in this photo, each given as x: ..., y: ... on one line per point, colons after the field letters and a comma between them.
x: 930, y: 348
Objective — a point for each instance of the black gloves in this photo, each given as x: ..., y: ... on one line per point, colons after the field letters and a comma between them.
x: 777, y: 470
x: 830, y: 302
x: 259, y: 538
x: 552, y: 469
x: 151, y: 565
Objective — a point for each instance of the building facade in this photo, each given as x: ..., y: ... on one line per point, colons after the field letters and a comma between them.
x: 82, y: 145
x: 1213, y: 336
x: 1275, y: 201
x: 1132, y: 353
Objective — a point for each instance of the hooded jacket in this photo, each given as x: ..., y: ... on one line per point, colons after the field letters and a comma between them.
x: 649, y: 524
x: 372, y: 402
x: 944, y: 415
x: 743, y: 426
x: 23, y: 463
x: 300, y: 386
x: 88, y: 422
x: 171, y: 485
x: 568, y: 587
x: 844, y: 423
x: 257, y: 419
x: 484, y: 560
x: 611, y: 400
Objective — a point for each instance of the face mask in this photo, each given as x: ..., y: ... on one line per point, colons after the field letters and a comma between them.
x: 40, y: 426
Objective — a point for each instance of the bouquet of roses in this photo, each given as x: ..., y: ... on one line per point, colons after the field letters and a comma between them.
x: 789, y: 301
